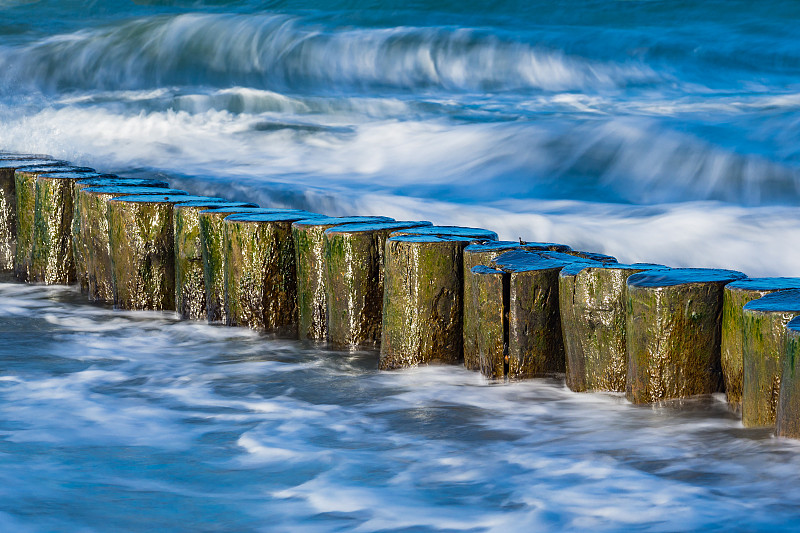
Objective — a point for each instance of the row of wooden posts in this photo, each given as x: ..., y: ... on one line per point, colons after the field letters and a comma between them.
x: 422, y: 293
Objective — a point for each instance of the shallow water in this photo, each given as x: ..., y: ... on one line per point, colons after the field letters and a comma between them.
x: 657, y: 131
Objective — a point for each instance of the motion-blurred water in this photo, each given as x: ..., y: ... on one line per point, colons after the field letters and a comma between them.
x: 659, y: 131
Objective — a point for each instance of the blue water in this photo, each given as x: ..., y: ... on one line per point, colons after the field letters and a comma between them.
x: 655, y: 131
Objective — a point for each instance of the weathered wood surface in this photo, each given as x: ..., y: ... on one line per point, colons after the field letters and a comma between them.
x: 260, y: 271
x: 190, y: 289
x: 535, y: 343
x: 354, y: 257
x: 312, y: 273
x: 674, y: 329
x: 764, y: 341
x: 422, y: 302
x: 142, y: 244
x: 52, y: 251
x: 735, y: 296
x: 91, y: 245
x: 787, y: 419
x: 592, y: 300
x: 25, y: 192
x: 212, y: 236
x: 456, y: 231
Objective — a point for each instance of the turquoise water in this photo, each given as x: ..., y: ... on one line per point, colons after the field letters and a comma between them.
x: 655, y: 131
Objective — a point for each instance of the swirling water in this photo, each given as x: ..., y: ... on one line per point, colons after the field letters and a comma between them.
x: 655, y: 130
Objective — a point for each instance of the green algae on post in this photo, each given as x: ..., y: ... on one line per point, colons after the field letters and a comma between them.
x: 673, y: 327
x: 8, y: 203
x: 481, y: 254
x: 260, y: 272
x: 212, y: 233
x: 736, y: 295
x: 80, y: 252
x: 140, y: 231
x: 535, y: 343
x: 592, y: 303
x: 91, y: 242
x: 190, y: 289
x: 52, y: 252
x: 354, y: 257
x: 489, y: 330
x: 764, y: 338
x: 25, y: 192
x: 422, y: 301
x: 309, y: 249
x: 787, y: 418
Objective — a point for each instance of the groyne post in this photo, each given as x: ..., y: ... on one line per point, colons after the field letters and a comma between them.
x: 673, y: 328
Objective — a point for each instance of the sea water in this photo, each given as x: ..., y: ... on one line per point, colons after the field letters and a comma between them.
x: 658, y: 131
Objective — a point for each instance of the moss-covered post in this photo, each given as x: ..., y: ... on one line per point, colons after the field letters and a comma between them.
x: 490, y: 297
x: 673, y: 329
x: 52, y: 252
x: 8, y: 205
x: 212, y: 236
x: 25, y: 191
x: 787, y: 419
x: 478, y: 254
x: 190, y: 289
x: 312, y: 273
x: 736, y: 295
x: 592, y: 256
x: 354, y: 257
x: 260, y: 272
x: 422, y: 301
x: 481, y: 254
x: 764, y: 341
x: 142, y: 244
x: 91, y: 242
x: 535, y: 343
x: 80, y: 252
x: 592, y: 302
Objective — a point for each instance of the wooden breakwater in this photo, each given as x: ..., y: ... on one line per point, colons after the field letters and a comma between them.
x: 421, y: 294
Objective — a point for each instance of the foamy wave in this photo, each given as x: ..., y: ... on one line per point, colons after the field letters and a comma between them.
x: 270, y: 51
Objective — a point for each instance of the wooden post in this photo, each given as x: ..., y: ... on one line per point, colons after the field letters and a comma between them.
x: 479, y: 234
x: 140, y: 231
x: 764, y: 334
x: 481, y: 254
x: 80, y: 252
x: 490, y: 294
x: 354, y: 256
x: 673, y: 326
x: 535, y: 343
x: 735, y: 296
x: 787, y: 420
x: 309, y: 249
x: 592, y: 303
x: 25, y: 192
x: 91, y: 243
x: 212, y: 235
x: 190, y: 289
x: 260, y: 272
x: 8, y: 204
x: 422, y: 301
